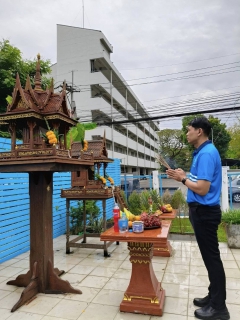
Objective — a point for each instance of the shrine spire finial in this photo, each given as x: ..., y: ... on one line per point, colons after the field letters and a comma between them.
x: 38, y: 77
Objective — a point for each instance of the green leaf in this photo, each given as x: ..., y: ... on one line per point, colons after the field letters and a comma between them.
x: 9, y: 99
x: 71, y: 135
x: 89, y: 126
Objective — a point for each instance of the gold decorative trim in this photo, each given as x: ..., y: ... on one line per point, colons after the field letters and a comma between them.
x: 22, y: 105
x: 63, y: 153
x: 72, y: 192
x: 140, y: 261
x: 141, y: 244
x: 129, y: 298
x: 139, y: 254
x: 21, y: 116
x: 34, y: 153
x: 6, y: 155
x: 162, y: 249
x: 59, y: 117
x: 136, y: 246
x: 96, y: 191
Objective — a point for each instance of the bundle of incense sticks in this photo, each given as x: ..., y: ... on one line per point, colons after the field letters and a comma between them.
x: 162, y: 161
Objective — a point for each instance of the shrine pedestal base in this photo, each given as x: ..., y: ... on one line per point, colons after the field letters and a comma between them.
x: 162, y: 248
x: 144, y: 294
x: 162, y: 251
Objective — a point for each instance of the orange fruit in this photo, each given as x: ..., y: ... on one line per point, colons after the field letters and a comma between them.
x: 137, y: 218
x: 130, y: 224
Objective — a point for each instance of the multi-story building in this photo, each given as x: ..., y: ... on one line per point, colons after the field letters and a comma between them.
x: 98, y: 93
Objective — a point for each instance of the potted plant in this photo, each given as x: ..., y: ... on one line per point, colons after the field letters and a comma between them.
x: 231, y: 220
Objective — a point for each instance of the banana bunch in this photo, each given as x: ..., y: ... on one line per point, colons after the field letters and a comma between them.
x: 52, y: 139
x: 130, y: 216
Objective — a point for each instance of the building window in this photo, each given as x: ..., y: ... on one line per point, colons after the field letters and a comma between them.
x: 93, y: 67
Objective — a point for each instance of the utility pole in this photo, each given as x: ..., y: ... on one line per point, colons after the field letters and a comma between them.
x: 111, y: 88
x: 83, y: 12
x: 70, y: 88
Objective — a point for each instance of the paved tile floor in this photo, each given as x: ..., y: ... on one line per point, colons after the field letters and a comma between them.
x: 104, y: 280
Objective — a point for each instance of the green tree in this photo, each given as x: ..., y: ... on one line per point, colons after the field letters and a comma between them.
x: 173, y: 149
x: 219, y: 134
x: 11, y: 63
x: 234, y: 145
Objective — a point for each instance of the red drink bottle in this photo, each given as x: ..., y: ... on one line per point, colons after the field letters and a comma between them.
x: 116, y: 216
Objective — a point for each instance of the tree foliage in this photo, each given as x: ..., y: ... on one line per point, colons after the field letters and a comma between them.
x: 219, y: 134
x: 234, y: 145
x: 11, y: 63
x: 173, y: 149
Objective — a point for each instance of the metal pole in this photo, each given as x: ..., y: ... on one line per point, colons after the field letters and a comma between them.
x: 137, y: 138
x: 112, y: 114
x: 83, y: 11
x: 144, y: 139
x: 72, y: 90
x: 127, y: 129
x: 150, y: 145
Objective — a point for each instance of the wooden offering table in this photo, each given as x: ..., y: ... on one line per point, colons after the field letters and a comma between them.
x: 144, y: 294
x: 166, y: 250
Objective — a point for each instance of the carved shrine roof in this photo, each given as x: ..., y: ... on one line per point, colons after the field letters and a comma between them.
x: 36, y: 102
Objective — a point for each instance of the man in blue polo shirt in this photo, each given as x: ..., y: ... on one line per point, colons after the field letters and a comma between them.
x: 203, y: 197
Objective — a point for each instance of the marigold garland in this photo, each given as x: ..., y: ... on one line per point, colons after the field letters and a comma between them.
x: 85, y: 145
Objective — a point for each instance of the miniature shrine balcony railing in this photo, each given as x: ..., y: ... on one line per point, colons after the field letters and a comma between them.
x: 20, y: 153
x: 24, y: 151
x: 87, y: 193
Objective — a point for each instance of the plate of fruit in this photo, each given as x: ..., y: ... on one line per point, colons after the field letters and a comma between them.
x: 166, y: 208
x: 150, y: 220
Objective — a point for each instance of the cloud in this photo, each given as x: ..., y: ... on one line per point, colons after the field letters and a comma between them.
x: 149, y: 38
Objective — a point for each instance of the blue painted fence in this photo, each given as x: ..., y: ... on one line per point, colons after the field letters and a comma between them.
x: 14, y: 206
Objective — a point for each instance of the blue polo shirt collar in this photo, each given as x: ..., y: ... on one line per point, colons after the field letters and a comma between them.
x: 201, y: 146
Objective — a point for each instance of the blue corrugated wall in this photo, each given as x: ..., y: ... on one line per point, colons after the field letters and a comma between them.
x: 14, y: 206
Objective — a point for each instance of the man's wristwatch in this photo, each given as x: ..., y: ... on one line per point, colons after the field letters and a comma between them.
x: 184, y: 180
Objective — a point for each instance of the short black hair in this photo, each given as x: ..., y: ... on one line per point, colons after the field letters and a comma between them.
x: 203, y: 123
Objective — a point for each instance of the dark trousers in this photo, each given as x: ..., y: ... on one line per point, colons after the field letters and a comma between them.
x: 205, y: 221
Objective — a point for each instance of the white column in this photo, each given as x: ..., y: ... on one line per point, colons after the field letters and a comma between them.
x: 225, y: 203
x: 155, y: 181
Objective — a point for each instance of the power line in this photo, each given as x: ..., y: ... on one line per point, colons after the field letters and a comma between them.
x: 176, y: 64
x: 167, y: 116
x: 168, y: 74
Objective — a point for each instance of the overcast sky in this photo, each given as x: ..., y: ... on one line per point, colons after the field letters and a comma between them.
x: 154, y: 41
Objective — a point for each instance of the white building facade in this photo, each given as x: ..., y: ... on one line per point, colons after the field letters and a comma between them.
x: 101, y: 95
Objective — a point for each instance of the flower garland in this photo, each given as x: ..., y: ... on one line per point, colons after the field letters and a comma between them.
x: 104, y: 179
x: 85, y: 145
x: 51, y: 136
x: 111, y: 180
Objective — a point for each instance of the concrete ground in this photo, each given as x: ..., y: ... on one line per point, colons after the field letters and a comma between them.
x: 104, y: 280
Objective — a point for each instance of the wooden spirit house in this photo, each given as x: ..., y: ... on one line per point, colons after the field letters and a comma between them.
x: 33, y: 112
x: 86, y: 184
x: 89, y: 185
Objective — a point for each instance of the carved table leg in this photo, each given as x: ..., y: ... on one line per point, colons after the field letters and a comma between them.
x: 144, y: 293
